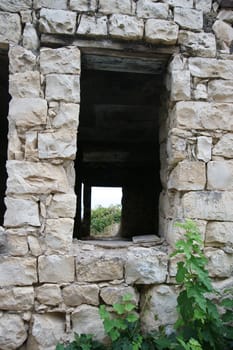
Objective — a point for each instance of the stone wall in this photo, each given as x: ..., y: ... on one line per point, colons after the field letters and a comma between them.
x: 51, y: 286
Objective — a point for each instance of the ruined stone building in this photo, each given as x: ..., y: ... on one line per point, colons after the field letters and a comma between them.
x: 135, y: 94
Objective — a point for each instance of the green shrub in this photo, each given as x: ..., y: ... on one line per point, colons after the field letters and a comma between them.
x: 102, y: 217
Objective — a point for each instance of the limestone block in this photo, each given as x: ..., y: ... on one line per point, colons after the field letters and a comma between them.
x: 86, y: 320
x: 158, y: 31
x: 58, y: 144
x: 208, y: 205
x: 93, y: 26
x: 94, y: 268
x: 204, y: 146
x: 220, y: 264
x: 30, y: 37
x: 59, y: 235
x: 13, y: 332
x: 56, y: 269
x: 28, y: 112
x: 17, y: 271
x: 200, y: 92
x: 223, y: 32
x: 75, y: 294
x: 176, y: 149
x: 65, y: 60
x: 17, y: 299
x: 31, y: 142
x: 170, y: 205
x: 62, y: 206
x: 21, y: 212
x: 146, y: 266
x: 57, y: 21
x: 67, y: 116
x: 202, y: 115
x: 62, y: 87
x: 178, y: 62
x: 224, y: 147
x: 181, y: 3
x: 125, y: 27
x: 52, y: 4
x: 21, y: 60
x: 188, y: 18
x: 160, y: 307
x: 149, y: 8
x: 49, y: 294
x: 219, y: 233
x: 211, y: 68
x: 197, y: 44
x: 35, y: 246
x: 47, y: 331
x: 114, y: 294
x: 26, y: 84
x: 226, y: 16
x: 17, y: 245
x: 83, y: 5
x: 35, y: 177
x: 115, y: 6
x: 221, y: 90
x: 187, y: 176
x: 10, y: 27
x: 220, y: 175
x: 180, y: 85
x: 15, y: 5
x: 26, y: 16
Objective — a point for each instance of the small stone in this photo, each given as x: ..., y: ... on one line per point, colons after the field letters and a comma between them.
x: 52, y: 4
x: 65, y: 60
x: 31, y: 150
x: 83, y: 5
x: 59, y: 235
x: 62, y: 206
x: 93, y: 26
x: 12, y: 332
x: 112, y: 295
x: 21, y: 60
x: 221, y: 90
x: 17, y: 271
x: 115, y: 6
x: 226, y: 15
x: 224, y: 147
x: 220, y: 264
x: 26, y: 16
x: 56, y: 269
x: 220, y: 175
x: 30, y: 37
x: 188, y: 18
x: 180, y: 85
x: 49, y: 294
x: 204, y: 5
x: 67, y: 116
x: 204, y: 147
x: 35, y: 246
x: 63, y: 87
x: 181, y: 3
x: 158, y: 31
x: 151, y: 9
x: 26, y: 84
x: 125, y: 27
x: 17, y: 245
x: 10, y: 27
x: 75, y: 294
x: 200, y: 92
x: 197, y: 44
x: 219, y: 233
x: 223, y: 32
x: 27, y: 213
x: 57, y: 21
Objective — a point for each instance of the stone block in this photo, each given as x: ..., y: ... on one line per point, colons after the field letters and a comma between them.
x: 220, y: 264
x: 146, y: 266
x: 15, y: 5
x: 158, y: 31
x: 83, y: 5
x: 17, y: 299
x: 67, y: 116
x: 188, y: 176
x: 13, y: 332
x: 204, y: 147
x: 225, y: 15
x: 223, y: 32
x: 62, y: 87
x: 60, y: 144
x: 52, y: 4
x: 220, y: 90
x: 57, y: 21
x: 56, y: 269
x: 114, y: 294
x: 17, y: 245
x: 17, y: 271
x: 62, y: 206
x: 224, y: 147
x: 27, y: 212
x: 211, y: 68
x: 94, y: 268
x: 10, y: 27
x: 204, y: 5
x: 200, y: 92
x: 93, y: 26
x: 125, y: 27
x: 21, y: 60
x: 59, y: 235
x: 197, y: 44
x: 75, y: 294
x: 219, y: 233
x: 26, y: 84
x: 176, y: 148
x: 28, y: 112
x: 31, y: 39
x: 49, y: 294
x: 86, y: 320
x: 202, y: 115
x: 180, y: 85
x: 31, y: 142
x: 208, y: 205
x: 35, y: 178
x: 116, y: 6
x: 181, y: 3
x: 151, y: 9
x: 220, y: 175
x: 65, y: 60
x: 188, y: 18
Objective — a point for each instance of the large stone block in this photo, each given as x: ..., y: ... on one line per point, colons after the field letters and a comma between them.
x: 75, y: 294
x: 115, y: 6
x: 93, y: 26
x: 49, y: 294
x: 208, y: 205
x: 59, y: 235
x: 57, y: 21
x: 221, y: 90
x: 180, y: 85
x: 62, y: 87
x: 15, y: 5
x: 224, y: 147
x: 146, y: 266
x: 158, y: 31
x: 202, y: 115
x: 126, y: 27
x: 187, y: 176
x: 223, y: 32
x: 28, y: 112
x: 17, y: 271
x: 20, y: 212
x: 13, y: 332
x: 21, y: 60
x: 26, y: 84
x: 52, y: 4
x: 17, y: 299
x: 31, y: 177
x: 219, y: 233
x: 197, y: 44
x: 188, y: 18
x: 220, y: 175
x: 65, y: 60
x: 114, y: 294
x: 62, y: 206
x: 151, y: 9
x: 220, y: 264
x: 211, y: 68
x: 10, y: 27
x: 83, y: 5
x: 56, y: 269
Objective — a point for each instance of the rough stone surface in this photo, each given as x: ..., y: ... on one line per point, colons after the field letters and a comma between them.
x: 204, y: 148
x: 125, y: 27
x: 27, y: 212
x: 30, y: 37
x: 67, y: 116
x: 197, y: 44
x: 21, y: 60
x: 224, y: 146
x: 10, y: 27
x: 17, y: 271
x: 181, y: 3
x: 56, y: 269
x: 57, y: 21
x: 16, y: 299
x: 64, y: 60
x: 83, y: 5
x: 220, y: 264
x: 17, y: 245
x: 211, y: 68
x: 75, y: 294
x: 161, y: 32
x: 15, y: 5
x: 59, y: 235
x: 93, y: 26
x: 221, y: 90
x: 52, y: 4
x: 149, y: 8
x: 180, y: 85
x: 188, y: 18
x: 49, y: 294
x: 62, y: 206
x: 114, y: 294
x: 226, y: 16
x: 223, y: 32
x: 25, y: 84
x: 220, y: 175
x: 204, y: 5
x: 115, y: 6
x: 62, y: 87
x: 12, y: 332
x: 219, y: 233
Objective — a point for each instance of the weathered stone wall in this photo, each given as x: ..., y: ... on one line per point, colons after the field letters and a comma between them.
x: 50, y: 286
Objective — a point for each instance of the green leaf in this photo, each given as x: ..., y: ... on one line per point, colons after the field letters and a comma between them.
x: 132, y: 318
x: 60, y: 347
x: 129, y: 307
x: 181, y: 272
x: 127, y: 297
x: 119, y: 308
